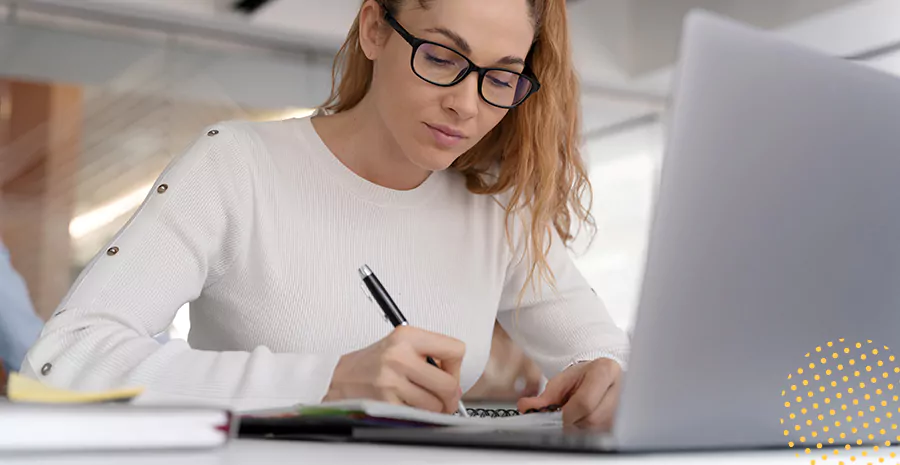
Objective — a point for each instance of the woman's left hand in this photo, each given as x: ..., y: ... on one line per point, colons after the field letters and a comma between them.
x: 588, y: 393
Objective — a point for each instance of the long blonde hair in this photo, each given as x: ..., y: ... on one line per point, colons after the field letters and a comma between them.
x: 535, y: 147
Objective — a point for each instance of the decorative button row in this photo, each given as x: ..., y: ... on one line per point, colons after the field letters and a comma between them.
x: 114, y: 250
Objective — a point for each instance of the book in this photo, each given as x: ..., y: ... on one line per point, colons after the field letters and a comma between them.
x: 30, y: 427
x: 341, y: 417
x: 39, y: 418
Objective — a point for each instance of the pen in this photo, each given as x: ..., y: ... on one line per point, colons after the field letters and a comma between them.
x: 392, y: 313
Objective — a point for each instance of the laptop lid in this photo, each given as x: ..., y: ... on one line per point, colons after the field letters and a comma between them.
x: 776, y: 233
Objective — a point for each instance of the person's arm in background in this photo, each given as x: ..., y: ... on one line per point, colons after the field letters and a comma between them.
x: 570, y: 334
x: 182, y: 240
x: 19, y: 324
x: 562, y: 326
x: 508, y: 375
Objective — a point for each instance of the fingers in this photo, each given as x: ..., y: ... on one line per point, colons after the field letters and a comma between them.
x: 415, y: 396
x: 397, y: 384
x: 442, y: 383
x: 448, y: 350
x: 593, y: 403
x: 601, y: 419
x: 395, y: 369
x: 557, y: 392
x: 584, y: 401
x: 451, y: 366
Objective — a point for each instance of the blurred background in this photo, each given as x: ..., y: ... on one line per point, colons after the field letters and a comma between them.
x: 96, y: 96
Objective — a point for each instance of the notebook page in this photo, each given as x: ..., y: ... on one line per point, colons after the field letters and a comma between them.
x: 543, y: 420
x: 403, y: 412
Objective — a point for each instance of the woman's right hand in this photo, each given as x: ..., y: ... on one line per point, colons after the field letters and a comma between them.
x: 395, y: 370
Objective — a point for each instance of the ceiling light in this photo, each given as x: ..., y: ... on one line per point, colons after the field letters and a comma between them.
x: 298, y: 113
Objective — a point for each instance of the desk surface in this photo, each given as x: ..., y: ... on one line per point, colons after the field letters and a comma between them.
x: 246, y: 452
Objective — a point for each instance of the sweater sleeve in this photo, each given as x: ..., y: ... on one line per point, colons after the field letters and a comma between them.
x: 562, y: 326
x: 194, y: 223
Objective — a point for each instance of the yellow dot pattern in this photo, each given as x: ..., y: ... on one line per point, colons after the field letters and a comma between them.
x: 820, y: 380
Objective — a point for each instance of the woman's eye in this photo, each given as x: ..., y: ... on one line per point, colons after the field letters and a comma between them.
x: 439, y: 61
x: 499, y: 82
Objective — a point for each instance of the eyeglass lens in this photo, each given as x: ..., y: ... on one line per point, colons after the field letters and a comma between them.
x: 443, y: 66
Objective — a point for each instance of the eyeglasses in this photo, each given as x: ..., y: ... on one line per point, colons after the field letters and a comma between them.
x: 442, y: 66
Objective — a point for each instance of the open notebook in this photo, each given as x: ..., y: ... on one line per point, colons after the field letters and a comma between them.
x: 342, y: 416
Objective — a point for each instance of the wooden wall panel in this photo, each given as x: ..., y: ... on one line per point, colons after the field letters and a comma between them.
x: 39, y: 152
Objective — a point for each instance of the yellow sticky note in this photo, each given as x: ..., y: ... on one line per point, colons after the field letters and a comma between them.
x: 22, y: 389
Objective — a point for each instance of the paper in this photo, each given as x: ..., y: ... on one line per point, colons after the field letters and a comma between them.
x: 22, y: 389
x: 531, y: 421
x: 544, y: 420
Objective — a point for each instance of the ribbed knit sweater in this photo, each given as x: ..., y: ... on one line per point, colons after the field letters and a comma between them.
x: 262, y: 229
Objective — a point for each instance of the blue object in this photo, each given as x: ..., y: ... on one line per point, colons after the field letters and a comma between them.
x: 20, y: 326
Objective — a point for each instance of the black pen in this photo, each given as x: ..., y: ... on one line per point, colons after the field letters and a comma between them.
x: 392, y: 313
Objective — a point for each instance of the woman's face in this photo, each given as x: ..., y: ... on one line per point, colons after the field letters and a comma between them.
x: 435, y: 125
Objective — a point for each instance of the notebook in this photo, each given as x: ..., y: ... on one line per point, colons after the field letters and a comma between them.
x: 341, y: 417
x: 38, y: 418
x: 109, y: 427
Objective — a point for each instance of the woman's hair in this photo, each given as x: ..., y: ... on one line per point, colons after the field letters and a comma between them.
x: 533, y: 153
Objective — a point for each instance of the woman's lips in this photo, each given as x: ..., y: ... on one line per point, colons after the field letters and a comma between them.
x: 445, y: 136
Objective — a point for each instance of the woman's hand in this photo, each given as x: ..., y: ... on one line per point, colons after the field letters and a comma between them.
x: 588, y: 393
x: 395, y: 370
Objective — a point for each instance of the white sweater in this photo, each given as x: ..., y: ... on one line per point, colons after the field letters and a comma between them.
x: 262, y: 229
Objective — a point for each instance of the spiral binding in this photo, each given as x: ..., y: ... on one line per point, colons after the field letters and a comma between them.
x: 507, y: 412
x: 492, y: 413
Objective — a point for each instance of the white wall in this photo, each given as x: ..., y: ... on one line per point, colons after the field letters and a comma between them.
x: 623, y: 172
x: 183, y: 71
x: 327, y: 20
x: 624, y: 168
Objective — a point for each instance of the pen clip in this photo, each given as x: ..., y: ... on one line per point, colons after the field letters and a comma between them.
x: 366, y: 292
x: 371, y: 299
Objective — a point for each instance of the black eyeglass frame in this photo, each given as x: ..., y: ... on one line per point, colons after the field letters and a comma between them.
x: 416, y: 42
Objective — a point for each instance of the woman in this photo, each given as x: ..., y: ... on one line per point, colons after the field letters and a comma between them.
x: 453, y: 183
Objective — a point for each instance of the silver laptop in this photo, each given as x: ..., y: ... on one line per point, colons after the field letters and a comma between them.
x: 776, y: 233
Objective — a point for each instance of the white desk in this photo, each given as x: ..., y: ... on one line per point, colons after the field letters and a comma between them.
x: 245, y: 452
